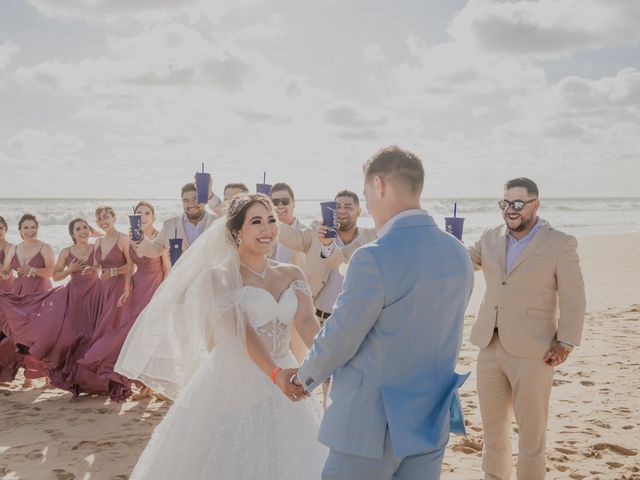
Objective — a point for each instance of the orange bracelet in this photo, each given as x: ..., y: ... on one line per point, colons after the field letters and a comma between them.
x: 274, y: 372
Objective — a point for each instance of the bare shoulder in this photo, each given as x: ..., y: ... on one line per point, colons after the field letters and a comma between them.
x: 123, y: 239
x: 289, y: 271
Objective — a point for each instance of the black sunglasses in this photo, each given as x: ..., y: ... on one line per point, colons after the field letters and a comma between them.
x: 517, y: 205
x: 284, y: 201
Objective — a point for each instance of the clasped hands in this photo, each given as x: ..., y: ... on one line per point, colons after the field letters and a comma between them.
x: 287, y: 381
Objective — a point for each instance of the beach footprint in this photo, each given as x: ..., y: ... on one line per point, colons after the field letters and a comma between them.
x: 34, y: 455
x: 468, y: 446
x: 60, y: 474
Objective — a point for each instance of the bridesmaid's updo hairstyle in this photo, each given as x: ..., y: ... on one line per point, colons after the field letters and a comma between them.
x: 25, y: 218
x: 237, y: 211
x: 104, y: 209
x: 3, y: 223
x: 72, y: 225
x: 144, y: 203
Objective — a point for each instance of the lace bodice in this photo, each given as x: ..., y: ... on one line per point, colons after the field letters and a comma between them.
x: 272, y: 318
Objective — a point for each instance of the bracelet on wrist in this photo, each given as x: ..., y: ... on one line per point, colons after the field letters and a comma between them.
x: 274, y: 372
x: 567, y: 346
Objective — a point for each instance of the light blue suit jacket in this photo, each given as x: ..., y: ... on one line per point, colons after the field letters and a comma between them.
x: 393, y: 341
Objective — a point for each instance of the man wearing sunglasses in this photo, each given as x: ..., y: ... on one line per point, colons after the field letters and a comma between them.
x: 530, y: 319
x: 283, y: 199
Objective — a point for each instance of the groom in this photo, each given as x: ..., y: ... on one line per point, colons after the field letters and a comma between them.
x: 392, y: 341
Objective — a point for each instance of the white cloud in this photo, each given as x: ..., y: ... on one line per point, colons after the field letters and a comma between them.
x: 8, y: 51
x: 272, y: 28
x: 373, y: 53
x: 547, y: 28
x: 31, y: 142
x: 49, y: 151
x: 148, y: 11
x: 445, y: 74
x: 578, y: 107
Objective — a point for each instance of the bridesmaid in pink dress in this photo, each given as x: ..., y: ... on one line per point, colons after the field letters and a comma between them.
x: 33, y: 262
x: 112, y: 255
x: 54, y: 326
x: 6, y: 279
x: 9, y: 363
x: 149, y: 273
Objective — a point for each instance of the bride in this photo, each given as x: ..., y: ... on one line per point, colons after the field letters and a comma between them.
x: 214, y: 339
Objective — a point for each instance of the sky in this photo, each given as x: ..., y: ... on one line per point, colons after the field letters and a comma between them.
x: 126, y: 98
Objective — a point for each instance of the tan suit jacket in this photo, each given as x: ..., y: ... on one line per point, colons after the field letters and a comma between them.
x: 296, y: 257
x: 540, y: 299
x: 315, y: 267
x: 160, y: 244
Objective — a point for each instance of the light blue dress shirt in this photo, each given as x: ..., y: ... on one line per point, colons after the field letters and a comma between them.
x: 192, y: 231
x: 516, y: 247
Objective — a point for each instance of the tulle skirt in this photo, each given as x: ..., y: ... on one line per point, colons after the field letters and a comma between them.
x: 231, y: 422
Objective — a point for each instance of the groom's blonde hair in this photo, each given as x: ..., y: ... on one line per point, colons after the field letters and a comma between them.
x: 397, y: 166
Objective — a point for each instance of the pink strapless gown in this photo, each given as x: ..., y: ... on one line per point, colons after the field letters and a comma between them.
x: 109, y: 315
x: 23, y: 286
x: 56, y: 325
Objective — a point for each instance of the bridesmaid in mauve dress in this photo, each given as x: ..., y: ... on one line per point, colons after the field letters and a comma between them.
x: 8, y: 358
x: 149, y: 273
x: 33, y: 262
x: 112, y: 255
x: 6, y: 280
x: 53, y: 326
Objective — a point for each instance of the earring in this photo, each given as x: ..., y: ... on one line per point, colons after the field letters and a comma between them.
x: 239, y: 241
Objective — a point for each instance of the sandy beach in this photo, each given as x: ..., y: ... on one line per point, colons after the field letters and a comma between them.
x: 594, y: 426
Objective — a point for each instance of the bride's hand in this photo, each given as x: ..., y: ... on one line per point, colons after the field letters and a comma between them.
x: 291, y: 391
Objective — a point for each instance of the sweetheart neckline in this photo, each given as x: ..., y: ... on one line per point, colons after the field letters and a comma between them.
x: 277, y: 301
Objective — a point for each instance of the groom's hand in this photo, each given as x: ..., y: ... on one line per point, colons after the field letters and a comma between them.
x: 292, y: 391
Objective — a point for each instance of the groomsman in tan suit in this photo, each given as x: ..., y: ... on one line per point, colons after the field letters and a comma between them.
x: 284, y: 200
x: 188, y: 226
x: 326, y: 258
x: 530, y: 319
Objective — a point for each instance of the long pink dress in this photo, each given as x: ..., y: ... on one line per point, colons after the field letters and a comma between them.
x: 9, y: 360
x: 55, y: 325
x: 104, y: 353
x: 5, y: 285
x: 23, y: 285
x: 109, y: 315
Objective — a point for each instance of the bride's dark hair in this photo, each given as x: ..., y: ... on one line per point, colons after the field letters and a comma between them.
x: 237, y: 211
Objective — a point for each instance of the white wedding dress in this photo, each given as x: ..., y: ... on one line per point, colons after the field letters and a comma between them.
x: 229, y: 421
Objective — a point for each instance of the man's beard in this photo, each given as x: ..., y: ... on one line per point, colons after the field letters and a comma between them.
x: 524, y: 224
x: 196, y: 216
x: 344, y: 227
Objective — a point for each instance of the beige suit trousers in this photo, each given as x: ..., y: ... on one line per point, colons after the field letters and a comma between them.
x: 513, y: 385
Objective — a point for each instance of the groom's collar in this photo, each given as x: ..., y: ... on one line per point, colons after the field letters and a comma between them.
x: 399, y: 216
